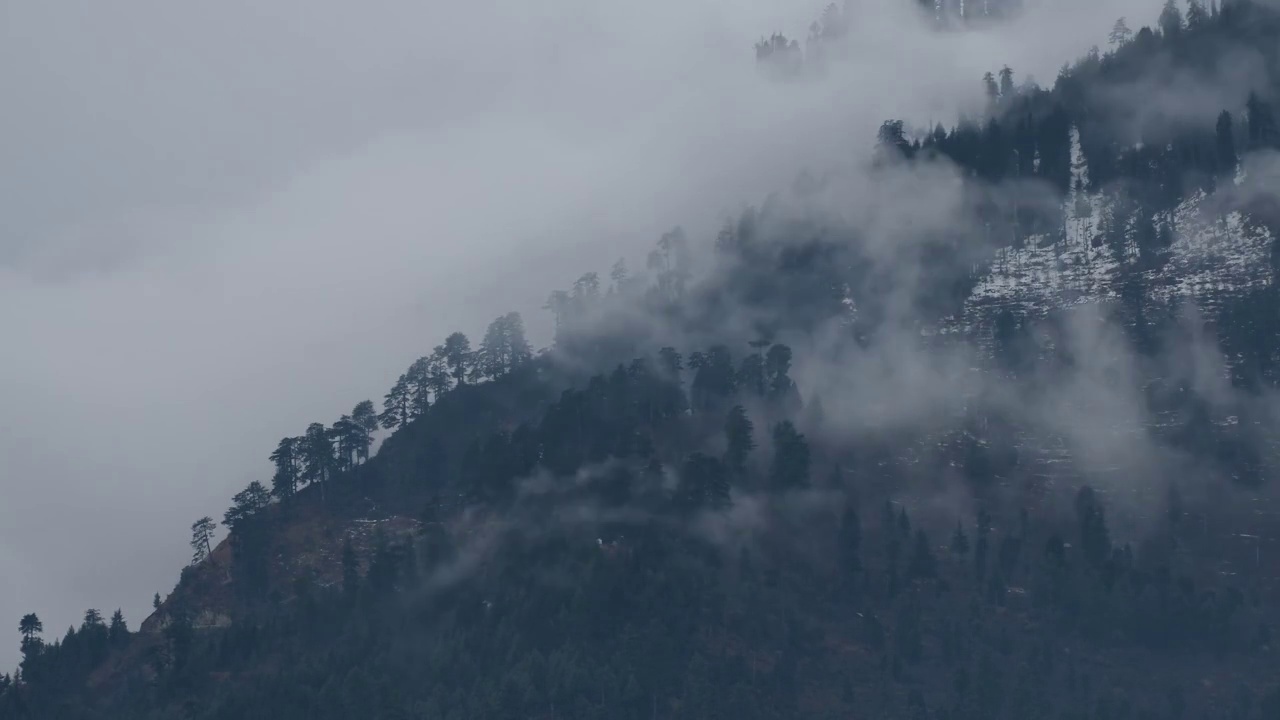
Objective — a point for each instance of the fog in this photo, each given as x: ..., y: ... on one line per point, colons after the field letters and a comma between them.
x: 220, y: 223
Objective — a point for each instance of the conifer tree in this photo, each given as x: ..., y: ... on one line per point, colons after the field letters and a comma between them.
x: 990, y: 87
x: 704, y: 483
x: 118, y: 630
x: 92, y: 618
x: 1095, y: 540
x: 714, y: 379
x: 738, y: 435
x: 1225, y: 142
x: 751, y: 375
x: 246, y: 504
x: 201, y: 539
x: 790, y: 468
x: 981, y: 546
x: 284, y: 483
x: 504, y: 347
x: 318, y: 459
x: 457, y: 355
x: 1263, y: 129
x: 396, y: 404
x: 353, y: 436
x: 1196, y: 14
x: 1120, y: 33
x: 366, y: 420
x: 418, y: 387
x: 1006, y: 82
x: 777, y: 365
x: 30, y: 627
x: 1170, y: 20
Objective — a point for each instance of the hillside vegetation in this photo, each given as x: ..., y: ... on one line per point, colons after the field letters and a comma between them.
x: 1004, y: 449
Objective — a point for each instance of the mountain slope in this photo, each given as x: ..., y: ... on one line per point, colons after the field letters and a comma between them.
x: 971, y: 456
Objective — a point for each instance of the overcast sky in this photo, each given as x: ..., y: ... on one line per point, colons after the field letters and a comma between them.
x: 222, y: 221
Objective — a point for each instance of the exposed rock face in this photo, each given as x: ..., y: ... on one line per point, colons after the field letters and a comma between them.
x: 206, y: 617
x: 315, y: 551
x: 307, y: 545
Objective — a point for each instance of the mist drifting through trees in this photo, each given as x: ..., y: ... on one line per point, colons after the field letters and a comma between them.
x: 976, y: 423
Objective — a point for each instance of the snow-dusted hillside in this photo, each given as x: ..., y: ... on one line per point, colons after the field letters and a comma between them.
x: 1212, y: 259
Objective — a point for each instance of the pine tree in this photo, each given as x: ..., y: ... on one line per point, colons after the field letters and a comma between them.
x: 384, y: 566
x: 1225, y: 142
x: 671, y: 361
x: 751, y: 375
x: 1263, y: 130
x: 419, y: 387
x: 1095, y: 540
x: 714, y: 379
x: 559, y: 305
x: 790, y: 468
x: 439, y: 379
x: 990, y: 88
x: 366, y: 420
x: 1120, y: 33
x: 246, y: 504
x: 458, y: 356
x: 317, y: 454
x: 1006, y: 82
x: 118, y: 630
x: 353, y: 439
x: 1196, y: 14
x: 618, y: 274
x: 738, y: 435
x: 201, y: 539
x: 892, y: 140
x: 704, y: 483
x: 672, y: 259
x: 491, y: 357
x: 518, y: 349
x: 395, y: 404
x: 30, y: 626
x: 1170, y: 20
x: 504, y: 347
x: 777, y: 366
x: 284, y: 483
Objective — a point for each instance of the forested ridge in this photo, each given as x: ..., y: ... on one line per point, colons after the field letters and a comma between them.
x: 819, y: 465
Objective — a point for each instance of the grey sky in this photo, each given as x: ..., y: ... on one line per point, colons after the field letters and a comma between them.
x: 221, y: 222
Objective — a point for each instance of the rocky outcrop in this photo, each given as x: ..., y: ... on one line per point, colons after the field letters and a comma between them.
x: 306, y: 544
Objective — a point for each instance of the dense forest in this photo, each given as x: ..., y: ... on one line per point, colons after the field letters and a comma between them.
x: 806, y: 468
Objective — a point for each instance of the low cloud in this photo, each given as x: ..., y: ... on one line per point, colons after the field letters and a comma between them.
x: 219, y: 224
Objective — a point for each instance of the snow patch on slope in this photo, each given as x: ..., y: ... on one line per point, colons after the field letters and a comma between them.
x: 1211, y: 259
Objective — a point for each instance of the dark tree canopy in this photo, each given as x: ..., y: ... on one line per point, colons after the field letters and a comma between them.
x: 594, y: 530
